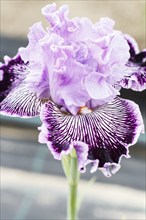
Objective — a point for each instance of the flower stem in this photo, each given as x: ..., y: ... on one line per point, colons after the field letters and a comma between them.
x: 72, y: 202
x: 70, y: 166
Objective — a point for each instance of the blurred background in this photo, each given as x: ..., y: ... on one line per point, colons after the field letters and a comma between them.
x: 32, y: 182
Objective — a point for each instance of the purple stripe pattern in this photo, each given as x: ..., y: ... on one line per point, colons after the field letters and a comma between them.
x: 12, y: 74
x: 108, y: 131
x: 15, y: 97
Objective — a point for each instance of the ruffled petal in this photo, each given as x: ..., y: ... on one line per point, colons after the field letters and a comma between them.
x: 108, y: 132
x: 67, y: 86
x: 65, y: 53
x: 98, y: 88
x: 15, y: 98
x: 36, y: 33
x: 75, y: 29
x: 56, y: 18
x: 105, y: 26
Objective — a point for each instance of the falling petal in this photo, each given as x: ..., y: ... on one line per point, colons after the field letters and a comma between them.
x: 15, y: 98
x: 20, y: 102
x: 108, y: 131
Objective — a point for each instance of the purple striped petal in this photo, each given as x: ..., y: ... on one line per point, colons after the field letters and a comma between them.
x: 108, y: 131
x: 136, y: 79
x: 15, y: 98
x: 13, y: 73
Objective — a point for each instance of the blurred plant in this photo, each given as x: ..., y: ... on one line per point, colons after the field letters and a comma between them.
x: 71, y: 75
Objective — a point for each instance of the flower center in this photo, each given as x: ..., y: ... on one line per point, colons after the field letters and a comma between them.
x: 84, y: 110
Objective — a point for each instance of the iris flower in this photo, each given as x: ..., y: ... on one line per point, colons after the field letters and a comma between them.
x: 71, y: 74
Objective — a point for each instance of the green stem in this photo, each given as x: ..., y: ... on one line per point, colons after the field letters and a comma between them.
x: 70, y: 166
x: 72, y: 202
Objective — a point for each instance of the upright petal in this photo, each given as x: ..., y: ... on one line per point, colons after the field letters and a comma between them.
x: 36, y: 33
x: 108, y: 131
x: 98, y: 88
x: 55, y: 17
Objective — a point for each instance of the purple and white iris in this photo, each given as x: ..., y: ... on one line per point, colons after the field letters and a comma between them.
x: 71, y: 75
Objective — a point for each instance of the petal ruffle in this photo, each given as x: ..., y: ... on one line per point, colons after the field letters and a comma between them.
x: 36, y: 33
x: 108, y: 132
x: 15, y: 98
